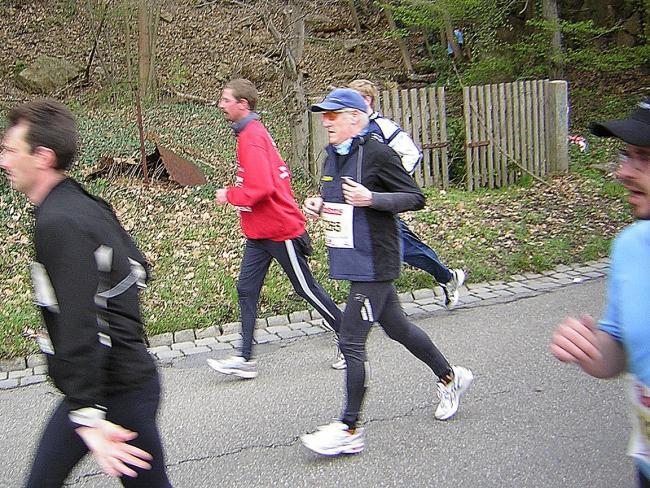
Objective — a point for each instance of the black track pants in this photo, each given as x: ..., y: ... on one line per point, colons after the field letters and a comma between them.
x: 291, y: 255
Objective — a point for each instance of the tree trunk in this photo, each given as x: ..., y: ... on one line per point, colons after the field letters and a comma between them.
x: 97, y: 33
x: 550, y: 12
x: 293, y: 40
x: 406, y: 58
x: 427, y: 44
x: 355, y: 16
x: 529, y: 9
x: 148, y: 14
x: 152, y: 81
x: 127, y: 46
x: 293, y: 89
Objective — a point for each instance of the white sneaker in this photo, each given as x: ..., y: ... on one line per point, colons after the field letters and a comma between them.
x: 236, y: 366
x: 339, y: 362
x: 450, y: 394
x: 451, y: 289
x: 334, y: 439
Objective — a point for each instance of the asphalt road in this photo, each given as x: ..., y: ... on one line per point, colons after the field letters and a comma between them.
x: 528, y: 421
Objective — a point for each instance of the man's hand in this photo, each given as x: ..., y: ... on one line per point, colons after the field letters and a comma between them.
x: 221, y: 198
x: 312, y: 207
x: 578, y: 341
x: 108, y: 444
x: 575, y: 341
x: 356, y: 194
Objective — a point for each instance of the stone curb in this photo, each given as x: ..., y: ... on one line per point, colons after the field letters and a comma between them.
x: 167, y: 347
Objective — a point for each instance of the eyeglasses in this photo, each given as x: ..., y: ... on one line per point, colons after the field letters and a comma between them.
x: 637, y: 161
x: 332, y: 115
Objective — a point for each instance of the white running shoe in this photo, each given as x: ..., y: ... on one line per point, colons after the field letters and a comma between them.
x: 450, y: 394
x: 334, y: 439
x: 236, y: 366
x: 451, y: 289
x: 339, y: 362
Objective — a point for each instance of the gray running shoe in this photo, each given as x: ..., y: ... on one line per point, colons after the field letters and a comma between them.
x: 451, y: 289
x: 236, y: 366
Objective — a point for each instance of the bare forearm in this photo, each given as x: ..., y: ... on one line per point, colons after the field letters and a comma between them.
x: 580, y: 342
x: 611, y: 361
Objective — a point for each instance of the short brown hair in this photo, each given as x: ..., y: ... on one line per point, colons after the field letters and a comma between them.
x: 367, y: 88
x: 243, y: 90
x: 51, y: 125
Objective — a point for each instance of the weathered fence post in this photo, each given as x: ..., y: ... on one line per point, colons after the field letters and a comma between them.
x: 557, y: 110
x: 317, y: 142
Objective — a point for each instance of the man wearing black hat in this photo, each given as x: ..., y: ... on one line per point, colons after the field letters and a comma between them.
x: 363, y: 187
x: 620, y: 342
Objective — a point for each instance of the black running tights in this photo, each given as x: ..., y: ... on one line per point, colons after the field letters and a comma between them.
x: 370, y: 302
x: 61, y: 448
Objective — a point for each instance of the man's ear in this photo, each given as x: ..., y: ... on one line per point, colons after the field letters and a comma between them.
x: 46, y: 157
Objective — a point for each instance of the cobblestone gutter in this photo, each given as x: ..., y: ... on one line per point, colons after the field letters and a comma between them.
x: 166, y: 347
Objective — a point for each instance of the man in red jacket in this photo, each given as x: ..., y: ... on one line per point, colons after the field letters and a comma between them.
x: 270, y: 219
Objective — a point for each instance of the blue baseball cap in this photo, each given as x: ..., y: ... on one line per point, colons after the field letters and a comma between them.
x: 340, y: 98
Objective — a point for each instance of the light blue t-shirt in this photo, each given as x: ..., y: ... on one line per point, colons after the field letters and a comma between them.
x: 627, y: 315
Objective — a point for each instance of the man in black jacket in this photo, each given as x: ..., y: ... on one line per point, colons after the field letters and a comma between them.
x: 363, y: 187
x: 86, y: 275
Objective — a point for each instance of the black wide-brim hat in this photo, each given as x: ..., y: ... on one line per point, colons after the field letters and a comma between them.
x: 634, y: 130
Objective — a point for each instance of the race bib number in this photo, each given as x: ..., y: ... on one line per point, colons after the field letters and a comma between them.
x: 338, y: 225
x: 639, y: 394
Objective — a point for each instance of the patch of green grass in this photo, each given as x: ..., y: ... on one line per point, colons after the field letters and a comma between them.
x: 551, y: 254
x: 595, y: 247
x: 612, y: 189
x: 532, y: 257
x: 597, y: 104
x: 480, y: 270
x: 534, y: 217
x: 525, y: 181
x: 15, y: 315
x: 413, y: 279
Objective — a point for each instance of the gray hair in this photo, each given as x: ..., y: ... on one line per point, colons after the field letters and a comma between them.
x: 364, y: 119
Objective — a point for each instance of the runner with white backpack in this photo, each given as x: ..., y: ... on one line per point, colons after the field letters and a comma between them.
x: 414, y: 251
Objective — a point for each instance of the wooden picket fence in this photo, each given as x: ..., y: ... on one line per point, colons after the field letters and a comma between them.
x: 508, y: 132
x: 511, y: 129
x: 421, y: 113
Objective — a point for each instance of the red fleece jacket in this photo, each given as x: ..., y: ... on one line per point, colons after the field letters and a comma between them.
x: 262, y: 193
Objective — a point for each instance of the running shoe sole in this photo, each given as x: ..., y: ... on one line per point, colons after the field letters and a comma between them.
x: 248, y: 375
x: 335, y: 451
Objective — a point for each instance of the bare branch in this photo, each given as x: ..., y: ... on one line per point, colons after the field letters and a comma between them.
x: 188, y: 96
x: 523, y: 9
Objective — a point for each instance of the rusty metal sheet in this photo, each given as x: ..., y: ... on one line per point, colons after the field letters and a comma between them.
x: 180, y: 169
